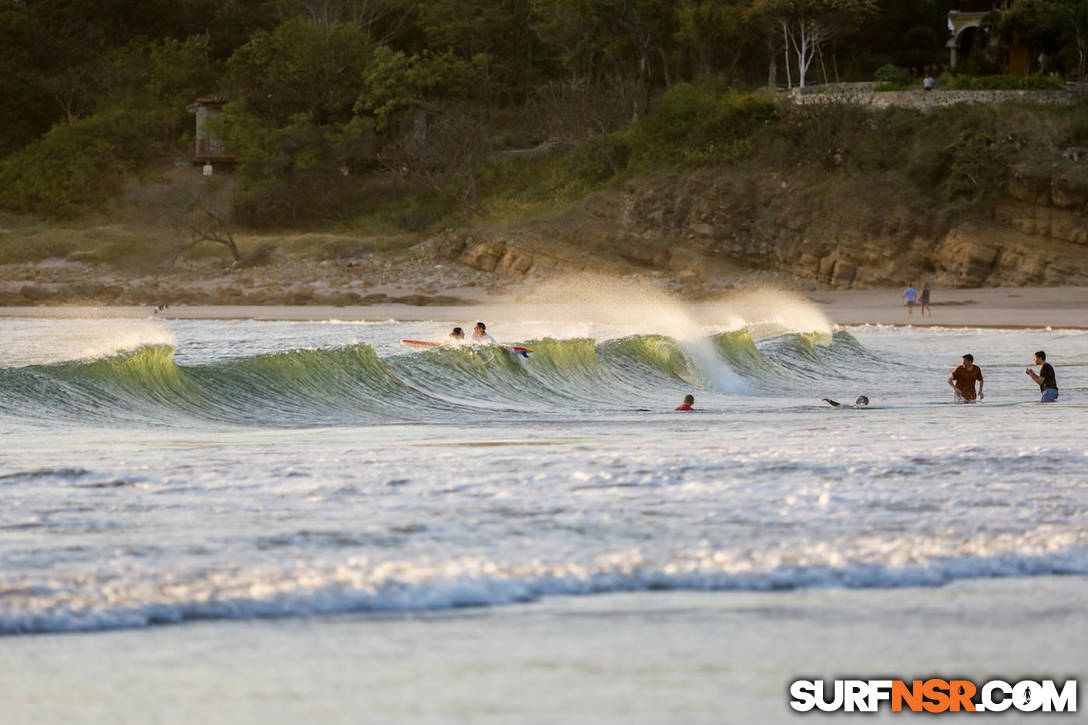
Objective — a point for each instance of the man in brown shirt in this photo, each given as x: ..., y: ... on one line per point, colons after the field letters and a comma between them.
x: 963, y: 380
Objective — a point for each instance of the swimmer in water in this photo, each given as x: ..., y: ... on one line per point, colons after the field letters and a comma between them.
x: 480, y: 336
x: 861, y: 402
x: 456, y: 337
x: 689, y: 400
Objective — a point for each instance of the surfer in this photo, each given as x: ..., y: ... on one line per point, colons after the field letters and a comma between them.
x: 456, y: 337
x: 480, y: 336
x: 1045, y: 378
x: 861, y: 402
x: 689, y: 400
x: 963, y: 379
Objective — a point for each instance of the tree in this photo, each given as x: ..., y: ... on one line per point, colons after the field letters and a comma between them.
x: 631, y: 35
x: 394, y: 81
x: 496, y: 37
x: 805, y: 25
x: 1033, y: 23
x: 381, y: 20
x: 715, y: 33
x: 301, y: 67
x: 1073, y: 16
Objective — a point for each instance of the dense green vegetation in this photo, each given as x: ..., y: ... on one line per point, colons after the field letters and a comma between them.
x: 328, y: 94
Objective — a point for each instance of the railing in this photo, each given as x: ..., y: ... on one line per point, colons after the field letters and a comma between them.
x: 211, y: 147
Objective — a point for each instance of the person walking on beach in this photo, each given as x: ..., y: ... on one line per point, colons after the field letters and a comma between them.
x: 924, y: 301
x: 480, y: 336
x: 1045, y: 378
x: 689, y: 400
x: 910, y: 295
x: 963, y: 380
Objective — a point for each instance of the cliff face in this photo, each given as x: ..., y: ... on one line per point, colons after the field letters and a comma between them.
x: 712, y: 222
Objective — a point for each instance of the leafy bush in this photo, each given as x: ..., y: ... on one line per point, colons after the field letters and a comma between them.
x: 1004, y: 83
x: 76, y: 166
x: 697, y: 124
x: 416, y: 212
x: 598, y: 158
x: 892, y: 78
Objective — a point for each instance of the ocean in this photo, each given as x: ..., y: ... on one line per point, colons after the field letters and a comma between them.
x: 518, y: 536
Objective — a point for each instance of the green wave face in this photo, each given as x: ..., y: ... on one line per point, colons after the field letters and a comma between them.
x: 354, y: 386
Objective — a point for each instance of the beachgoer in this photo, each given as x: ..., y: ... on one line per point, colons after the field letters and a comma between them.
x: 927, y: 82
x: 963, y: 380
x: 910, y: 295
x: 456, y: 337
x: 924, y: 301
x: 480, y: 336
x: 861, y: 402
x: 689, y: 400
x: 1045, y: 378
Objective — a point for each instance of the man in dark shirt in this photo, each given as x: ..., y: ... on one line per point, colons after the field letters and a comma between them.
x: 1045, y: 377
x: 963, y: 380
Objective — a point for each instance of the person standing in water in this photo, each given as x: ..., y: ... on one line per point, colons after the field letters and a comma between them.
x: 924, y: 301
x: 963, y: 380
x: 910, y: 295
x: 689, y: 401
x: 480, y: 336
x: 1045, y: 378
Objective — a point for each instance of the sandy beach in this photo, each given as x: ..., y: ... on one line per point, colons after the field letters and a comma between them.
x: 1020, y: 307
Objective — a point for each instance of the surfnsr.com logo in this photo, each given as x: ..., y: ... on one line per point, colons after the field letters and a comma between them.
x: 933, y: 695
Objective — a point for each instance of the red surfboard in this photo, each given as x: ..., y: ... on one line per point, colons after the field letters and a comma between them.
x: 523, y: 351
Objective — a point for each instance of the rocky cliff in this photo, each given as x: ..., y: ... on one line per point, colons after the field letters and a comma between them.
x: 712, y: 225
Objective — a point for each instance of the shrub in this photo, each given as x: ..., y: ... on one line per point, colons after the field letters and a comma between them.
x: 695, y: 123
x: 892, y: 78
x: 598, y: 158
x: 1004, y: 83
x: 75, y: 166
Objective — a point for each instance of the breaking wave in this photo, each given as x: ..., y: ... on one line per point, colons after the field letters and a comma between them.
x: 353, y: 385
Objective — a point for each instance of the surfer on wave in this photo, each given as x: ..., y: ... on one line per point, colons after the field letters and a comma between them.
x: 480, y: 336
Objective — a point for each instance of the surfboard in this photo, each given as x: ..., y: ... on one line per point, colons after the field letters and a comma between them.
x: 523, y: 351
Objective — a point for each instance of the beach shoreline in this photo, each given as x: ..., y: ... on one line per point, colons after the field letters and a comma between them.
x: 1004, y: 307
x: 639, y: 657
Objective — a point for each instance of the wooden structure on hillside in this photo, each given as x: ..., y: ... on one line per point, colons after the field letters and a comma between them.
x: 207, y: 147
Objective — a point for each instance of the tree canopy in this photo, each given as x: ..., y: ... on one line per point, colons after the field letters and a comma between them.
x: 319, y: 87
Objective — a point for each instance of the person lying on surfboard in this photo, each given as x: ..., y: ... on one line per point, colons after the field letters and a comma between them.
x: 480, y: 336
x: 689, y: 400
x: 861, y: 402
x: 456, y: 337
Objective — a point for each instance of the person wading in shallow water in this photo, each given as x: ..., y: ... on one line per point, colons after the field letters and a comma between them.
x: 689, y: 400
x: 963, y: 380
x: 1045, y: 378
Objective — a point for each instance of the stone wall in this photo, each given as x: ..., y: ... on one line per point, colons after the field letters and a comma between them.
x: 863, y: 93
